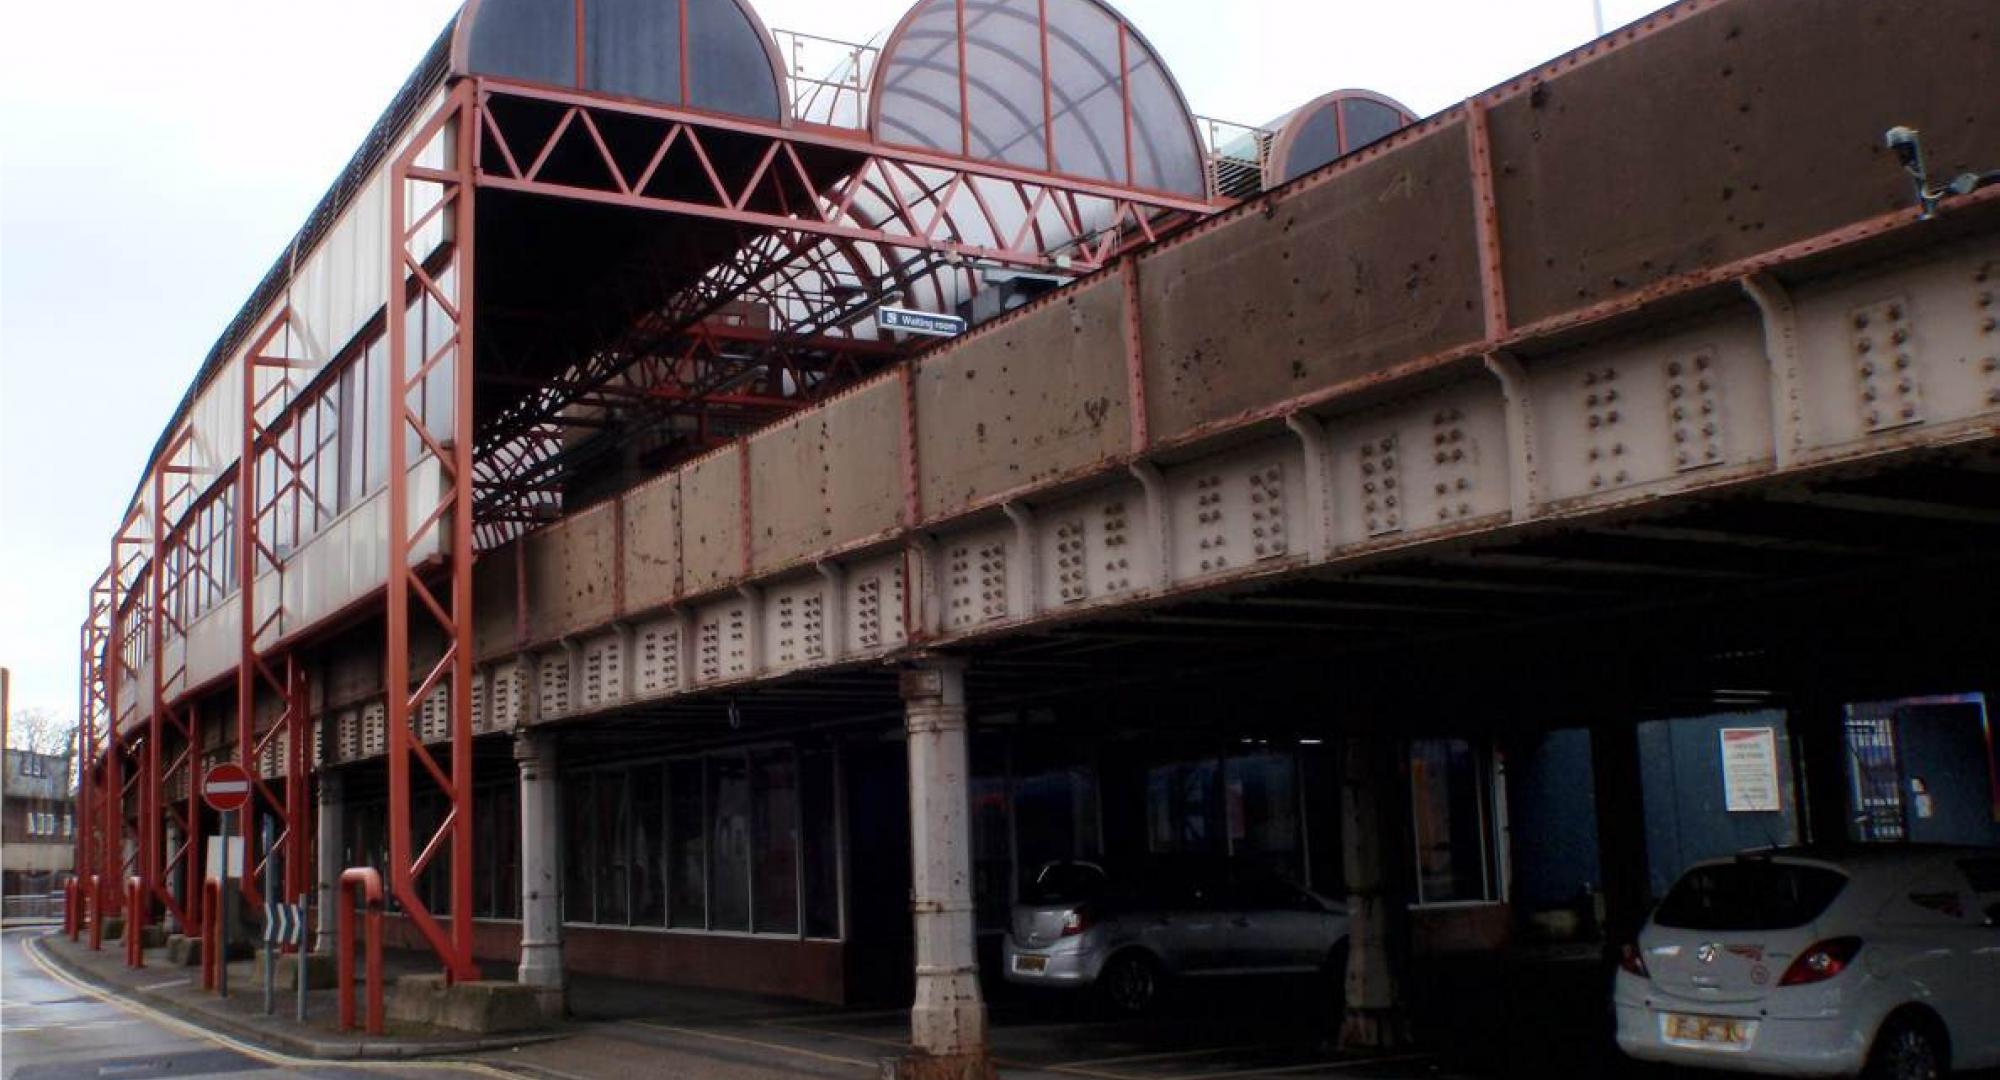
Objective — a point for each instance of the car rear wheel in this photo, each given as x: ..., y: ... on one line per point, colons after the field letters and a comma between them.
x: 1130, y: 984
x: 1906, y: 1049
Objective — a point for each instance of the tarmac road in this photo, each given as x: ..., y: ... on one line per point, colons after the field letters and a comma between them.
x: 52, y: 1028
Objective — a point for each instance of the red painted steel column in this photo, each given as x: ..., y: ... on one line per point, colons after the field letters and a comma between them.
x: 409, y: 277
x: 151, y: 804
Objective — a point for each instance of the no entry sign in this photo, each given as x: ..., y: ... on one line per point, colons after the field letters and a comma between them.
x: 226, y: 787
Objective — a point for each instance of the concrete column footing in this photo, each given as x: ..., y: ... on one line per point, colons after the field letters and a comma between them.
x: 922, y: 1066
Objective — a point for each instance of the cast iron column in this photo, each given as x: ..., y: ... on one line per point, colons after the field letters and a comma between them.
x: 948, y: 1020
x: 541, y: 863
x: 326, y: 885
x: 1374, y: 840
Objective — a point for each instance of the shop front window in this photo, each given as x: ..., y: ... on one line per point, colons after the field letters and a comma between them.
x: 1182, y: 811
x: 1450, y: 818
x: 1261, y: 803
x: 733, y: 841
x: 687, y: 848
x: 729, y: 844
x: 775, y: 842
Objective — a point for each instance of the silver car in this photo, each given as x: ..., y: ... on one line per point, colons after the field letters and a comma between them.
x: 1125, y: 931
x: 1882, y: 961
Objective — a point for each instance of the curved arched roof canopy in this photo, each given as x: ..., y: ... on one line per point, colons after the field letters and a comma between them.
x: 1057, y: 86
x: 727, y: 61
x: 1328, y: 127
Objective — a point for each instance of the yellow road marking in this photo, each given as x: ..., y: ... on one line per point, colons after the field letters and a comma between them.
x: 1166, y: 1055
x: 741, y: 1041
x: 1280, y: 1070
x: 272, y: 1058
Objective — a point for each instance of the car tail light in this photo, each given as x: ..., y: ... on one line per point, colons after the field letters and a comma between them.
x: 1077, y: 920
x: 1630, y: 959
x: 1822, y: 961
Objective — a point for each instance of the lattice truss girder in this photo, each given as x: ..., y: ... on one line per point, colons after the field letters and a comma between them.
x: 829, y: 227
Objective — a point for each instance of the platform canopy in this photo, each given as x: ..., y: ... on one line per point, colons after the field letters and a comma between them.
x: 713, y: 55
x: 1059, y: 86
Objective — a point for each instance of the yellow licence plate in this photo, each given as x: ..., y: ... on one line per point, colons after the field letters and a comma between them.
x: 1031, y: 963
x: 1717, y: 1031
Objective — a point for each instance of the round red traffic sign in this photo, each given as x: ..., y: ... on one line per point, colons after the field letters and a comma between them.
x: 226, y: 787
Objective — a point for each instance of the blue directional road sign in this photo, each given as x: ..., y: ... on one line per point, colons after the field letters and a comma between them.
x: 284, y: 924
x: 919, y: 322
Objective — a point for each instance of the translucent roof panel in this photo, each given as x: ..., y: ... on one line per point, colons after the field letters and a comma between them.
x: 1329, y: 127
x: 727, y: 62
x: 1059, y: 86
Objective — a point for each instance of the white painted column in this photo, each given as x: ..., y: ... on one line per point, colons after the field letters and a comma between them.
x: 541, y: 862
x: 948, y: 1019
x: 332, y: 823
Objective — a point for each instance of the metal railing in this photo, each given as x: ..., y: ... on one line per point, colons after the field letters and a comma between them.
x: 47, y: 907
x: 828, y: 77
x: 1236, y: 156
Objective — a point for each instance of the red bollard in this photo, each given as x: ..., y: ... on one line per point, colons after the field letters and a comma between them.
x: 211, y: 932
x: 363, y: 885
x: 96, y: 913
x: 71, y: 922
x: 135, y: 923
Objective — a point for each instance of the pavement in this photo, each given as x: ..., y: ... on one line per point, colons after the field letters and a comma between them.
x: 70, y: 1014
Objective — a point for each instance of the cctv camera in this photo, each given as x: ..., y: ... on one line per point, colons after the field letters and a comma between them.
x: 1904, y: 141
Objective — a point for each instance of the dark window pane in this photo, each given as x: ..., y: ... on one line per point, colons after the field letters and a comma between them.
x: 1448, y: 800
x: 484, y: 829
x: 1315, y: 141
x: 776, y: 842
x: 1056, y: 816
x: 1263, y: 806
x: 376, y: 408
x: 1181, y: 808
x: 729, y: 68
x: 613, y: 848
x: 729, y: 844
x: 507, y: 853
x: 530, y: 40
x: 579, y: 851
x: 1367, y: 121
x: 687, y: 859
x: 633, y: 48
x: 820, y: 835
x: 649, y: 880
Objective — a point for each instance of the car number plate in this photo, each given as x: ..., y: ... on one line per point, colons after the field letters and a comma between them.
x: 1031, y: 964
x: 1720, y: 1032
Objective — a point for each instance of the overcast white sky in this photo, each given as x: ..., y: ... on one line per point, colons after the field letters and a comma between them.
x: 155, y: 157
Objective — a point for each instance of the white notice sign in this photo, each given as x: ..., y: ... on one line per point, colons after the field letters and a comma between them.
x: 1750, y: 770
x: 215, y: 848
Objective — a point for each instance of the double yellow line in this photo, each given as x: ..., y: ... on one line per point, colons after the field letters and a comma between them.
x: 268, y: 1057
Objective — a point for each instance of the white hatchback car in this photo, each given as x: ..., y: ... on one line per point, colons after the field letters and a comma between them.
x: 1881, y: 961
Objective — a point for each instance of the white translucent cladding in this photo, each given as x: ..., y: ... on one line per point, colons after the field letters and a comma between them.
x: 1000, y: 111
x: 348, y: 559
x: 339, y: 286
x: 214, y: 641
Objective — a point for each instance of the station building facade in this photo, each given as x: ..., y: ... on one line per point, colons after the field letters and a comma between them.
x: 639, y: 605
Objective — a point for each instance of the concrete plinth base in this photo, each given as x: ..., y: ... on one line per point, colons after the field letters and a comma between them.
x: 485, y: 1007
x: 184, y: 951
x: 320, y: 973
x: 114, y: 928
x: 919, y: 1066
x: 153, y: 937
